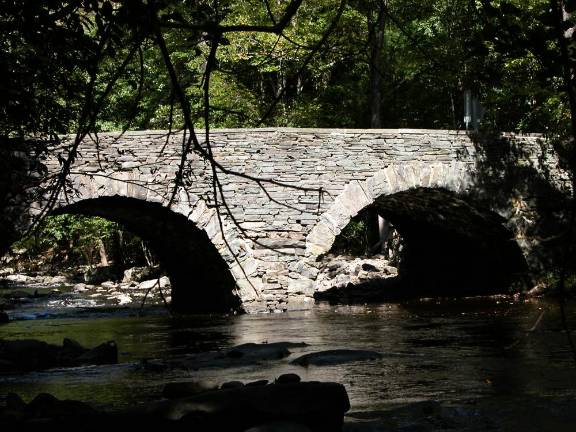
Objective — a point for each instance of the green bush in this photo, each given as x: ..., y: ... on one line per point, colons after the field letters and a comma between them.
x: 353, y: 240
x: 81, y: 240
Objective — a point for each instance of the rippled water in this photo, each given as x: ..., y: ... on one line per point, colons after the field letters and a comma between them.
x: 443, y: 350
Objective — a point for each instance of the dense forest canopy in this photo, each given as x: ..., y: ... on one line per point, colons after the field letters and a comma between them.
x: 99, y: 64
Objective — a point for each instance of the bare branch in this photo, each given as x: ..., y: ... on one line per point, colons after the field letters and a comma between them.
x: 215, y: 28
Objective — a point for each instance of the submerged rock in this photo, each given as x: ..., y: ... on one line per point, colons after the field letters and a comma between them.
x: 333, y: 357
x: 241, y: 355
x: 139, y: 274
x: 106, y: 353
x: 318, y: 406
x: 265, y: 351
x: 27, y: 355
x: 231, y: 385
x: 47, y: 406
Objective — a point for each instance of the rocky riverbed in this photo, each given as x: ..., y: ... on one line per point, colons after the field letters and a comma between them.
x: 28, y: 296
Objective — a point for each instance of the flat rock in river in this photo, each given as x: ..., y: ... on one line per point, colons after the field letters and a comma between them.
x: 265, y: 351
x: 333, y: 357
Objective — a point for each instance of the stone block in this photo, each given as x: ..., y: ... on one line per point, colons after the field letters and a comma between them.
x: 353, y: 198
x: 392, y: 179
x: 437, y: 175
x: 281, y: 243
x: 137, y: 191
x: 320, y: 239
x: 249, y: 289
x: 302, y: 286
x: 246, y: 267
x: 304, y: 270
x: 377, y: 185
x: 129, y: 165
x: 212, y: 228
x: 296, y: 303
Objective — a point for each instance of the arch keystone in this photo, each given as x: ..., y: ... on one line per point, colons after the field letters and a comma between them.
x: 406, y: 173
x: 424, y: 173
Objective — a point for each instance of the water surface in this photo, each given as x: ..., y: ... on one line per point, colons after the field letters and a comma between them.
x: 449, y: 350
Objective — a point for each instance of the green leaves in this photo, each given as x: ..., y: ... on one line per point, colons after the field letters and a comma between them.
x: 504, y: 50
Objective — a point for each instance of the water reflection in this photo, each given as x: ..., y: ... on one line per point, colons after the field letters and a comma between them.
x: 447, y: 351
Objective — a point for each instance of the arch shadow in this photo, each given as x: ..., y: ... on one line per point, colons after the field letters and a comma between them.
x: 200, y: 278
x: 452, y: 245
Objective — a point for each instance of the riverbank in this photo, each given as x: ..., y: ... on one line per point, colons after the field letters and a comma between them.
x: 340, y: 280
x: 34, y: 295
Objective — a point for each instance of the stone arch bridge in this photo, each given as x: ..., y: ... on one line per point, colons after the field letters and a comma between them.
x: 465, y: 204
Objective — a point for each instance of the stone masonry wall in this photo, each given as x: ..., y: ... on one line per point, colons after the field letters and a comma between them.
x: 352, y: 168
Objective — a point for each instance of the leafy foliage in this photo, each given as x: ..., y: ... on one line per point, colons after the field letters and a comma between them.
x: 74, y: 239
x: 57, y: 54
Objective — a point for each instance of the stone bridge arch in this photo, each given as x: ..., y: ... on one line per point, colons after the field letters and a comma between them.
x: 284, y: 228
x: 447, y: 234
x: 209, y: 265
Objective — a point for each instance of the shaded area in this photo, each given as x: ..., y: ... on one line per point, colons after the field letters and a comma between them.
x: 526, y: 184
x: 21, y: 168
x: 201, y: 281
x: 451, y: 247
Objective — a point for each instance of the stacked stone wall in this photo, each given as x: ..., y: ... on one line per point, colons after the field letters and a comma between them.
x: 283, y: 230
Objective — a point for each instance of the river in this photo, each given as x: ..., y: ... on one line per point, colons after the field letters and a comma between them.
x: 452, y: 351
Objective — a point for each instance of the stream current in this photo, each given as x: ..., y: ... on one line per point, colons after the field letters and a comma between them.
x: 452, y: 351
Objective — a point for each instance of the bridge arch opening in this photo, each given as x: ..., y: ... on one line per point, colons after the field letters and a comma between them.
x: 448, y: 246
x: 200, y: 279
x: 452, y: 246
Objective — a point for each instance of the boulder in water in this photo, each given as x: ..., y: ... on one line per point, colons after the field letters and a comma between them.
x: 106, y: 353
x: 97, y: 275
x: 288, y: 378
x: 333, y: 357
x: 27, y: 355
x: 32, y: 355
x: 47, y: 406
x: 163, y: 282
x: 265, y: 351
x: 318, y: 406
x: 139, y: 274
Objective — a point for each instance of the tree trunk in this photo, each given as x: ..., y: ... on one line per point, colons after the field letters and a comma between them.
x: 376, y: 28
x: 102, y: 251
